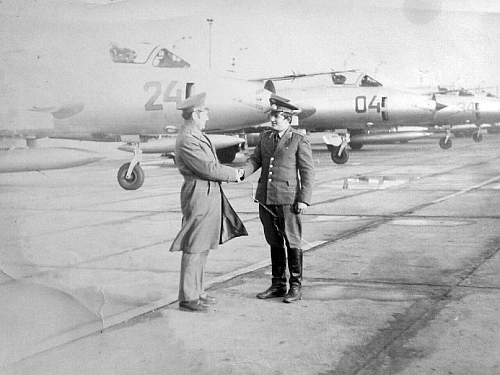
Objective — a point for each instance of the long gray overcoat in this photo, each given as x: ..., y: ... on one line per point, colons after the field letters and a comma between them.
x: 200, y: 193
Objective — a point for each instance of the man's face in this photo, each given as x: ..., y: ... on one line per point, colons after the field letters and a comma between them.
x: 279, y: 122
x: 200, y: 118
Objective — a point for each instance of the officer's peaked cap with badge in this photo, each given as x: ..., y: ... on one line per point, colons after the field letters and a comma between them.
x: 280, y: 104
x: 195, y: 102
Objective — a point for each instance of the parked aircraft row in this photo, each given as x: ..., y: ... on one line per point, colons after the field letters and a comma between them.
x: 133, y: 97
x: 361, y: 110
x: 465, y: 112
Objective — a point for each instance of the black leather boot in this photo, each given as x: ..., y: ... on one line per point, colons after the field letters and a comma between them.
x: 295, y: 268
x: 272, y: 292
x: 278, y: 270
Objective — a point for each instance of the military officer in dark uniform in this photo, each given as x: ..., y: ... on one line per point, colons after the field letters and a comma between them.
x: 283, y: 192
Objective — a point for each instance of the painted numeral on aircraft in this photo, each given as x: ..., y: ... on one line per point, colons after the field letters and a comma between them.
x: 467, y: 107
x: 360, y: 104
x: 167, y: 95
x: 374, y: 105
x: 150, y: 105
x: 168, y: 98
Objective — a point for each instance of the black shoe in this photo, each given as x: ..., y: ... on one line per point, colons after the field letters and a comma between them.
x: 193, y: 306
x: 294, y: 294
x: 272, y: 292
x: 208, y: 300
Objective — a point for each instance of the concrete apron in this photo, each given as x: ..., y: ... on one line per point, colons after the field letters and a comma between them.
x: 370, y: 306
x: 385, y: 266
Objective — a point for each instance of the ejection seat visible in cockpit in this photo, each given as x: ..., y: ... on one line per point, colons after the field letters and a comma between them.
x: 368, y: 81
x: 338, y: 79
x: 166, y: 59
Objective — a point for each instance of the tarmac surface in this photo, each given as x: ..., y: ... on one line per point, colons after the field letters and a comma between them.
x: 401, y: 271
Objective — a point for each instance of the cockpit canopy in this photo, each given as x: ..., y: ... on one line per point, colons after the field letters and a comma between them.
x: 166, y: 59
x: 141, y: 53
x: 354, y: 78
x: 460, y: 91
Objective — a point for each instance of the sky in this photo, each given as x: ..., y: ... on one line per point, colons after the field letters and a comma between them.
x: 400, y: 42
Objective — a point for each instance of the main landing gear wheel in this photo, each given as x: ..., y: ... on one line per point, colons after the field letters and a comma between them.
x: 228, y: 154
x: 477, y: 137
x: 136, y: 178
x: 445, y: 144
x: 339, y: 159
x: 355, y: 145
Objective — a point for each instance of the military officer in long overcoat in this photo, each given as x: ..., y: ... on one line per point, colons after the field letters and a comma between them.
x: 200, y: 203
x: 284, y: 191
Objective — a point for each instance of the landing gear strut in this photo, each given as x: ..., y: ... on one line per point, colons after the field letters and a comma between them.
x: 477, y: 137
x: 337, y: 144
x: 130, y: 175
x: 445, y: 142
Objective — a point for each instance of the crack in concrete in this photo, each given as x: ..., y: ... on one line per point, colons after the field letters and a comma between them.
x: 2, y: 271
x: 99, y: 311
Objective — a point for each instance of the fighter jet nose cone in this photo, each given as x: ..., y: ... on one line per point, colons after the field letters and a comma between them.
x: 440, y: 106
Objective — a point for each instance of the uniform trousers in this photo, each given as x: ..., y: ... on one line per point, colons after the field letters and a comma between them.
x: 283, y: 227
x: 192, y: 270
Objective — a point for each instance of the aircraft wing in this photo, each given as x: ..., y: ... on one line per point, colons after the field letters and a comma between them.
x: 63, y: 111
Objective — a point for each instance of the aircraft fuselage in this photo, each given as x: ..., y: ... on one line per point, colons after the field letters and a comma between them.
x: 144, y: 102
x: 354, y: 101
x: 467, y: 109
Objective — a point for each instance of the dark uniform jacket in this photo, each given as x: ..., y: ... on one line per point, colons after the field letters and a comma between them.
x: 287, y: 172
x: 200, y: 193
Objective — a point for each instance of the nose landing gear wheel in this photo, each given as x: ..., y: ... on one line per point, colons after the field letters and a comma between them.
x: 339, y: 159
x: 445, y: 145
x: 227, y: 155
x: 355, y: 145
x: 136, y: 178
x: 477, y: 137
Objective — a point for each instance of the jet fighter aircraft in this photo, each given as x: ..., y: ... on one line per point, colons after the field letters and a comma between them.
x: 464, y: 112
x: 132, y: 94
x: 354, y: 104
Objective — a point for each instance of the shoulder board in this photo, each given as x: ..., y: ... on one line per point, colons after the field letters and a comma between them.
x: 299, y: 132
